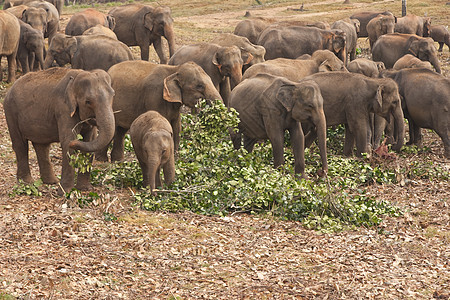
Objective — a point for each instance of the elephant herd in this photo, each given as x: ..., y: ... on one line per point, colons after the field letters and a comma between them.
x: 292, y: 75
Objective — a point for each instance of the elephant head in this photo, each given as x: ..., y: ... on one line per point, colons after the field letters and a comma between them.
x: 159, y: 22
x: 387, y: 102
x: 426, y: 26
x: 110, y: 22
x: 386, y: 24
x: 424, y: 49
x: 304, y: 102
x: 62, y: 48
x: 327, y: 61
x: 35, y: 44
x: 189, y: 84
x: 380, y: 66
x: 36, y: 17
x: 337, y: 44
x: 229, y: 62
x: 89, y: 95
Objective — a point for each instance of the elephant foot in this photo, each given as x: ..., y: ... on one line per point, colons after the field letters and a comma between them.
x: 116, y: 157
x: 84, y: 186
x: 49, y: 179
x: 25, y: 178
x: 101, y: 157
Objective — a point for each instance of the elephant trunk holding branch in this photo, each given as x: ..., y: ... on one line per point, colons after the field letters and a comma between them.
x: 31, y: 47
x: 87, y: 52
x: 293, y: 41
x: 142, y: 25
x: 9, y: 42
x: 141, y: 86
x: 269, y: 105
x: 53, y: 106
x: 83, y: 20
x: 390, y: 47
x: 345, y: 104
x: 152, y: 138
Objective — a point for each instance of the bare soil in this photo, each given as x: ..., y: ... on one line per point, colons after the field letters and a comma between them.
x: 50, y: 248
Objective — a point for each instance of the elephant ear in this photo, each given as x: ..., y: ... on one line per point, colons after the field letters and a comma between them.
x: 172, y: 90
x: 148, y: 20
x: 71, y: 99
x: 247, y: 57
x: 24, y: 16
x: 285, y: 95
x: 70, y: 44
x: 111, y: 22
x: 414, y: 48
x: 378, y: 103
x: 216, y: 60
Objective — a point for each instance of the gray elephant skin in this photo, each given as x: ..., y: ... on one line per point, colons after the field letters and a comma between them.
x: 9, y: 42
x: 251, y: 28
x: 87, y: 52
x: 412, y: 24
x: 344, y: 104
x: 141, y: 86
x: 440, y: 34
x: 83, y: 20
x: 366, y: 67
x: 46, y: 107
x: 297, y: 69
x: 31, y: 47
x: 410, y: 61
x: 293, y: 41
x: 222, y: 64
x: 390, y: 47
x: 142, y: 25
x: 269, y: 105
x: 351, y: 35
x: 100, y: 30
x: 13, y: 3
x: 426, y: 103
x: 378, y: 26
x: 364, y: 18
x: 152, y: 138
x: 50, y: 26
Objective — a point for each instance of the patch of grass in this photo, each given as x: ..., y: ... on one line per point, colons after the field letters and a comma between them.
x: 434, y: 232
x: 6, y: 296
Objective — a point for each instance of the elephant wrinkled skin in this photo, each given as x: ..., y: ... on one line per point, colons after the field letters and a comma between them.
x: 46, y: 107
x: 269, y: 105
x: 151, y: 135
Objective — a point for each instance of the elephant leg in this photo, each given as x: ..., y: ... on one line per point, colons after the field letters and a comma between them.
x: 361, y: 140
x: 379, y: 127
x: 389, y: 132
x: 311, y: 134
x: 158, y: 177
x: 45, y: 166
x: 411, y: 132
x: 443, y: 133
x: 276, y: 137
x: 118, y: 144
x: 353, y: 54
x: 145, y: 52
x: 176, y: 127
x: 417, y: 135
x: 145, y: 170
x: 1, y: 69
x: 249, y: 143
x: 298, y: 147
x: 23, y: 167
x: 441, y: 46
x: 349, y: 141
x: 11, y: 67
x: 67, y: 173
x: 157, y: 44
x: 169, y: 171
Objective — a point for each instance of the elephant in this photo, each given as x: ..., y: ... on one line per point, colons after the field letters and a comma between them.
x: 142, y: 25
x: 440, y: 34
x: 13, y: 3
x: 351, y: 36
x: 426, y: 103
x: 54, y: 106
x: 293, y: 41
x: 251, y: 28
x: 378, y: 26
x: 366, y: 67
x: 410, y: 61
x: 222, y: 64
x: 365, y: 16
x: 297, y: 69
x: 141, y: 86
x: 318, y: 24
x: 31, y: 47
x: 412, y: 24
x: 345, y: 104
x: 390, y: 47
x: 268, y: 105
x: 86, y: 52
x: 83, y: 20
x: 252, y: 53
x: 17, y: 10
x: 152, y: 138
x: 9, y: 42
x: 100, y: 30
x: 51, y: 26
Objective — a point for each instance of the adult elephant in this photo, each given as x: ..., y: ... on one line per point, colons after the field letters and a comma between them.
x: 410, y: 61
x: 252, y: 28
x: 293, y: 41
x: 345, y: 104
x: 222, y: 64
x: 86, y: 52
x: 9, y: 42
x: 83, y: 20
x: 31, y: 47
x: 51, y: 27
x: 426, y: 103
x: 351, y: 36
x: 143, y: 25
x: 54, y: 106
x: 269, y: 105
x: 440, y: 34
x: 13, y: 3
x: 297, y: 69
x: 365, y: 16
x: 390, y: 47
x: 412, y: 24
x: 141, y: 86
x: 378, y: 26
x: 251, y: 53
x: 366, y: 67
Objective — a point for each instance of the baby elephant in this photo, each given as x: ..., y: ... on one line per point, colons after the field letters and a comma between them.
x: 151, y: 135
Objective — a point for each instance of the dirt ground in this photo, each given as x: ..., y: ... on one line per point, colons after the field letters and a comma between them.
x: 50, y: 248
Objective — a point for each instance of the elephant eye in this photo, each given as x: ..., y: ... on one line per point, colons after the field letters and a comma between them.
x: 200, y: 87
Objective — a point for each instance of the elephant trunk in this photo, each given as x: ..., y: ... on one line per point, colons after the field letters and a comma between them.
x: 236, y: 75
x: 48, y: 61
x: 436, y: 64
x: 169, y: 171
x: 170, y: 37
x: 321, y: 126
x: 399, y: 125
x: 152, y: 169
x: 105, y: 124
x: 39, y: 54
